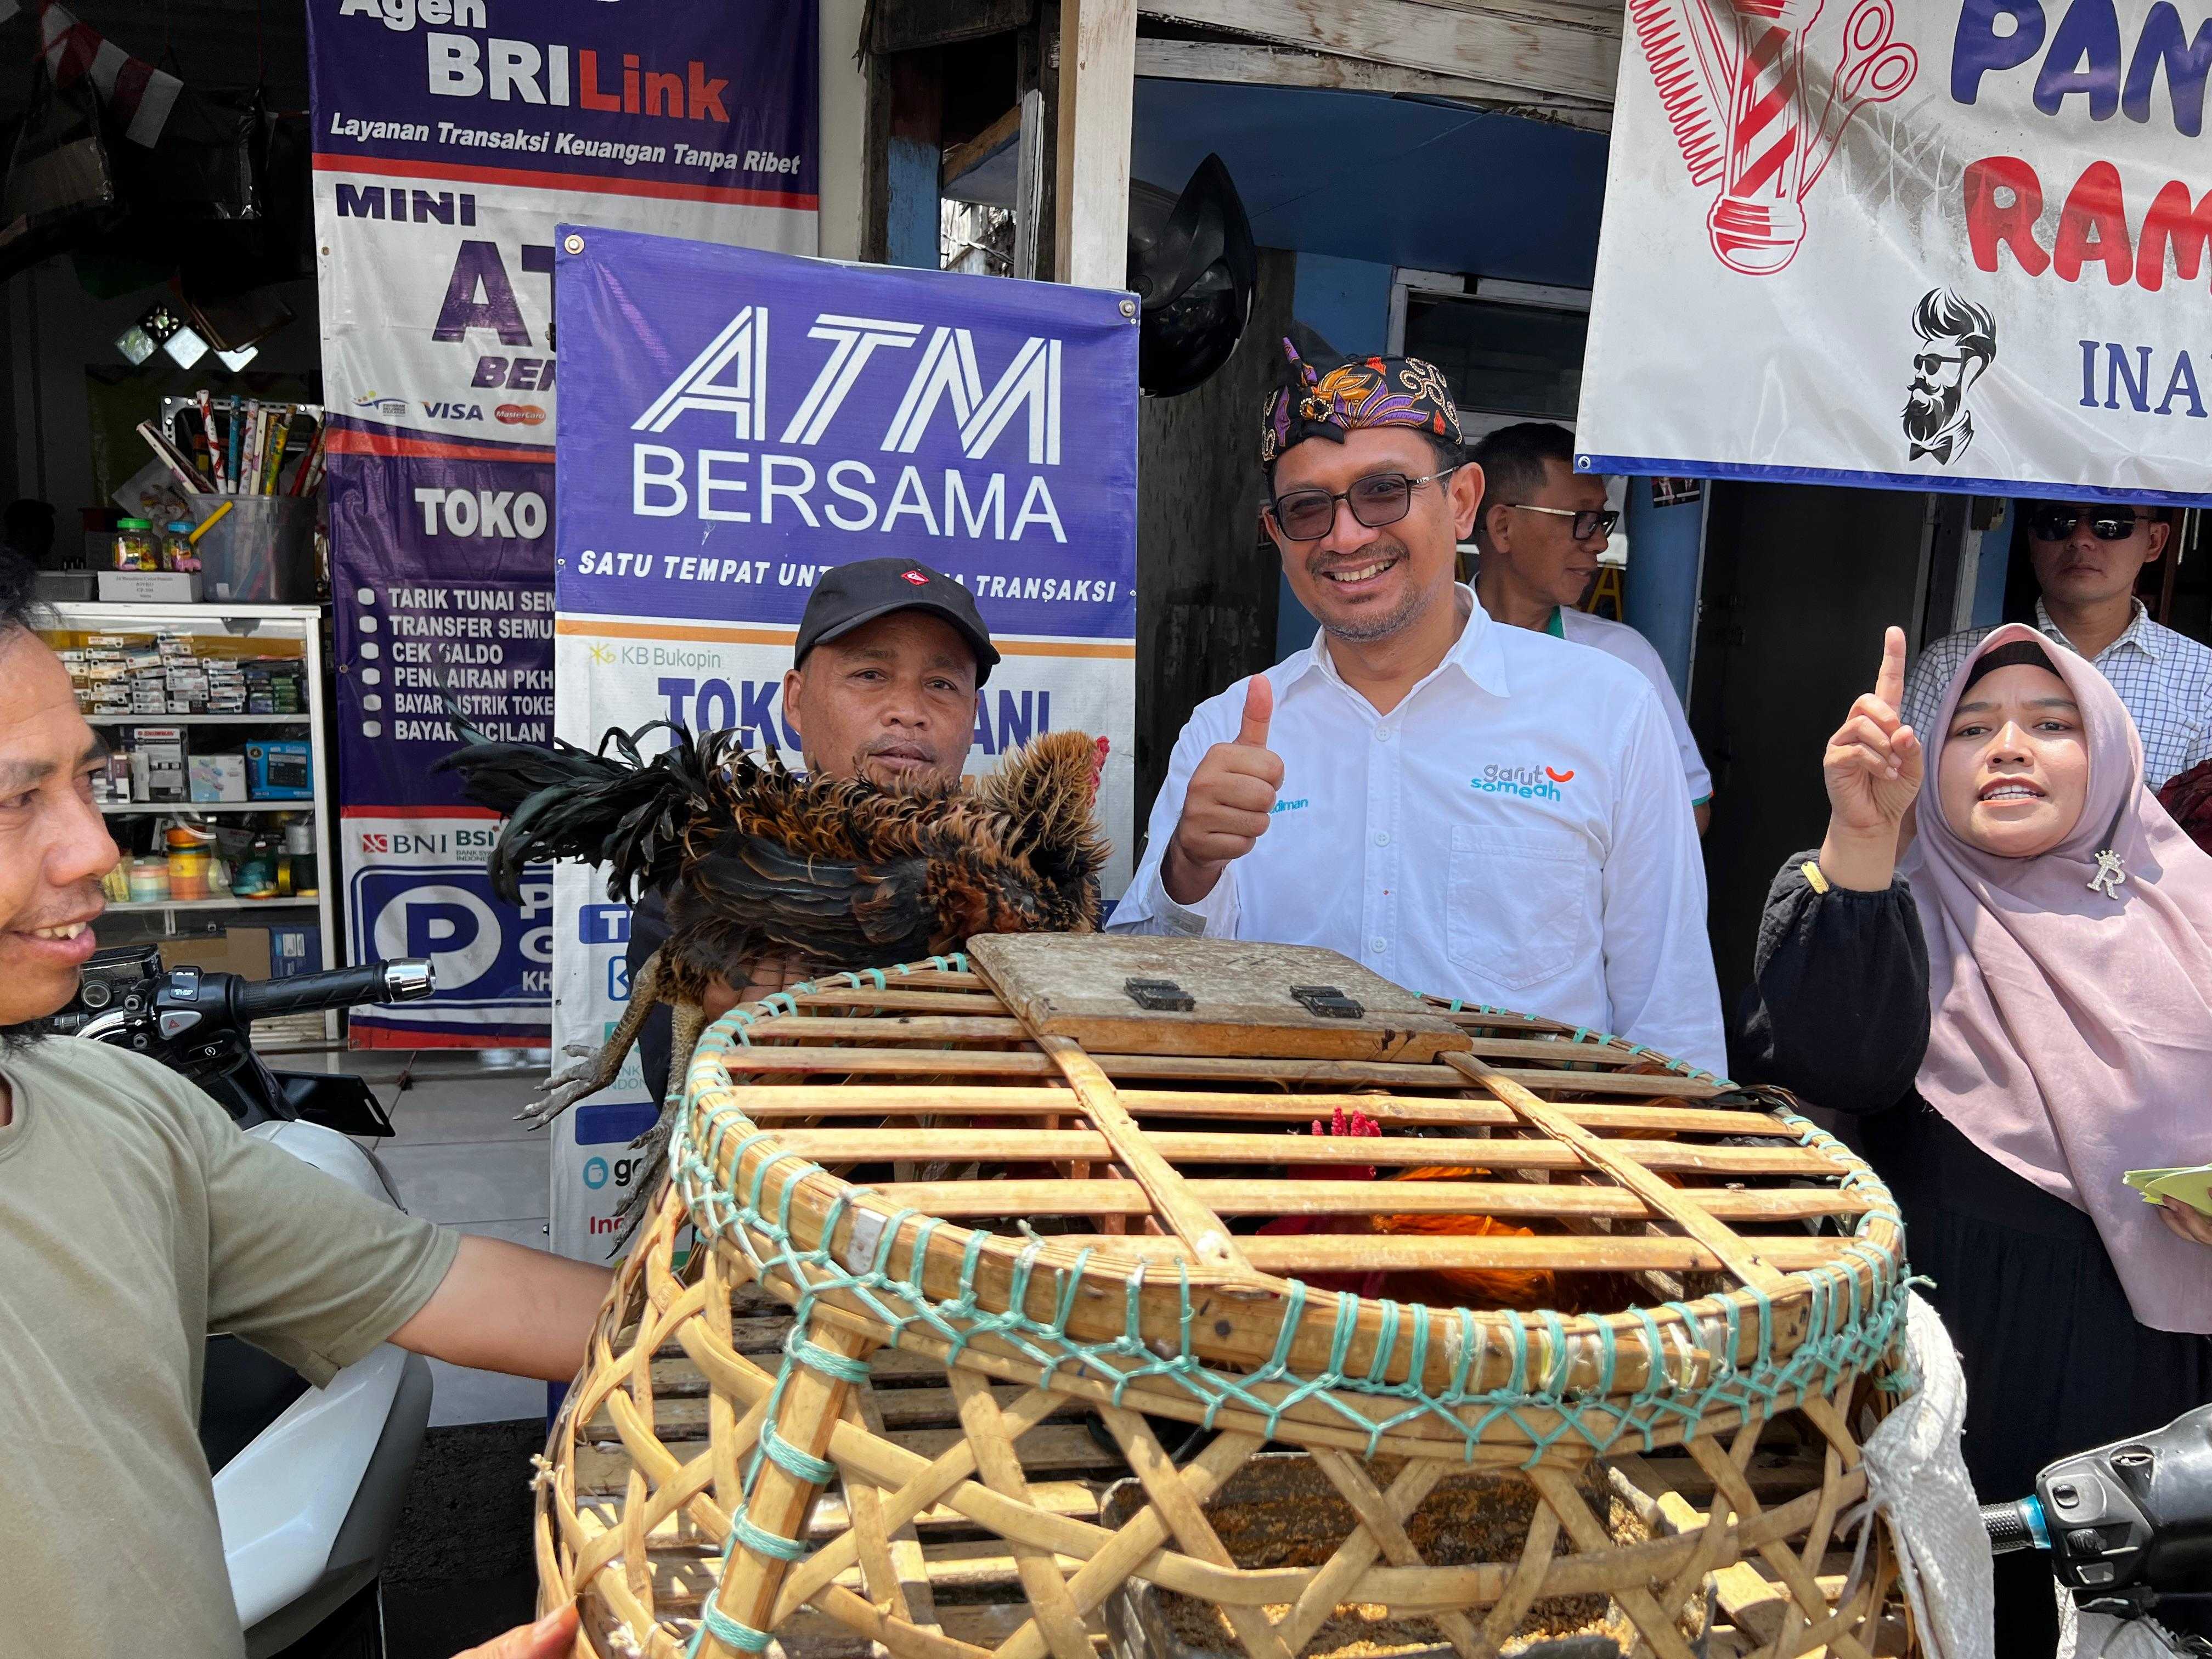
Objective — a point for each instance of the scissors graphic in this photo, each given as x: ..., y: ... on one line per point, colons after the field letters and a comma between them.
x: 1874, y: 67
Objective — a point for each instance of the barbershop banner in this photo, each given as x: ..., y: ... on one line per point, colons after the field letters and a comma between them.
x: 1956, y: 246
x: 450, y: 137
x: 739, y: 422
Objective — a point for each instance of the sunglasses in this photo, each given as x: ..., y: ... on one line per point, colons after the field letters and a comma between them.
x: 2106, y: 524
x: 1380, y: 498
x: 1589, y: 522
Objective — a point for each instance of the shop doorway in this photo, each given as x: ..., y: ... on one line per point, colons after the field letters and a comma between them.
x: 1800, y: 582
x: 1511, y: 351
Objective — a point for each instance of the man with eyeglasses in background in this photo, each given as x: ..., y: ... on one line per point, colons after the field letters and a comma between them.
x: 1539, y: 531
x: 2086, y: 556
x: 1463, y: 807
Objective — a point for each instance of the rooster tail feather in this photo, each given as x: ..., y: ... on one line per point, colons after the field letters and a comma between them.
x: 618, y: 809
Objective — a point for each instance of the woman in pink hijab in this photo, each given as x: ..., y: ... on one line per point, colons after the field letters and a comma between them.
x: 2009, y: 1014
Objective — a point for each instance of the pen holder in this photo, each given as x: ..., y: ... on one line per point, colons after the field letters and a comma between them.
x: 260, y: 552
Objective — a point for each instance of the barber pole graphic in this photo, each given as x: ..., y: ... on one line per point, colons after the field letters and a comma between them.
x: 1755, y: 223
x: 1732, y: 78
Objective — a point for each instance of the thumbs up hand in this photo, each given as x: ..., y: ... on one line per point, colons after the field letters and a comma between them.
x: 1227, y: 807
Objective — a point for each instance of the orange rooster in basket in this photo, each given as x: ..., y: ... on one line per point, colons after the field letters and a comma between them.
x: 1482, y: 1287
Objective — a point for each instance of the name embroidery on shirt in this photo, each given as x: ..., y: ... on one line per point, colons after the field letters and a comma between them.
x: 1525, y: 782
x: 1298, y: 805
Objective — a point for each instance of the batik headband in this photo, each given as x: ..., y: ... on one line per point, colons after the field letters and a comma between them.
x: 1353, y: 394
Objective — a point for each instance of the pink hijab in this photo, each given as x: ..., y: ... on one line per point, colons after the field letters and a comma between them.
x: 2072, y: 1030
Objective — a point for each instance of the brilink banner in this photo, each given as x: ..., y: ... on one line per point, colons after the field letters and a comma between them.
x: 450, y: 137
x: 740, y: 421
x: 1957, y: 246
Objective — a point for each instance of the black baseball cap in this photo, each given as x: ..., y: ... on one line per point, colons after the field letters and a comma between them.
x: 850, y: 594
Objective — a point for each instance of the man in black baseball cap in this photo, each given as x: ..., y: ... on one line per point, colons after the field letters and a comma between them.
x: 882, y: 685
x: 884, y: 674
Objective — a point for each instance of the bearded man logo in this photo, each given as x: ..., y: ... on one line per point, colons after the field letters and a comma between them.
x: 1959, y: 340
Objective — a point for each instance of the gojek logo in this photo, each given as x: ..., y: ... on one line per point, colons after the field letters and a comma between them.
x: 798, y: 465
x: 1527, y: 782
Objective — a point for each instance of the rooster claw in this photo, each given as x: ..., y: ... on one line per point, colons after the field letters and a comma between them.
x: 565, y: 1087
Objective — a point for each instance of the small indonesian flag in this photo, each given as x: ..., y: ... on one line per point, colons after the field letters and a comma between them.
x: 138, y: 95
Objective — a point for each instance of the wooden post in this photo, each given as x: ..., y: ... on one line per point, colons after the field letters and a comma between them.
x: 1098, y: 85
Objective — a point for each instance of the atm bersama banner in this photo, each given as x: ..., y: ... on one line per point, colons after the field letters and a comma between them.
x: 1960, y: 245
x: 737, y: 422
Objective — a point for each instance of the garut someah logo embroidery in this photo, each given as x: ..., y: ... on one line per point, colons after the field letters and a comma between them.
x: 1527, y: 782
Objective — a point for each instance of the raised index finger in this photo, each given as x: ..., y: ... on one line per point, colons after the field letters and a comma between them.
x: 1889, y: 684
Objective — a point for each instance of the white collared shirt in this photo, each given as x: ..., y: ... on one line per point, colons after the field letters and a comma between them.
x: 2164, y: 679
x: 1515, y: 833
x: 1619, y: 640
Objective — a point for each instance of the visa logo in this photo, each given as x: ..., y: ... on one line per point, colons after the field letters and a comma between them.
x: 443, y: 411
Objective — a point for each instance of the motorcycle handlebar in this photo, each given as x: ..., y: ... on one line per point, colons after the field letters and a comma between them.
x: 403, y: 981
x: 2015, y: 1526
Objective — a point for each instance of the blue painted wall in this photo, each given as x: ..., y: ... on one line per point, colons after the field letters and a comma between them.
x: 1386, y: 180
x: 1663, y: 545
x: 911, y: 236
x: 1990, y: 570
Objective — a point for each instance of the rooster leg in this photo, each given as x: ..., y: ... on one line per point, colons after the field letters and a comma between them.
x: 687, y: 1020
x: 598, y: 1067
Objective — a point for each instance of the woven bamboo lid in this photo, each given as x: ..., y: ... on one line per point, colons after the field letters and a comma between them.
x: 1090, y: 1159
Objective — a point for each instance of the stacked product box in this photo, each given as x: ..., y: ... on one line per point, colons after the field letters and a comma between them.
x: 275, y: 685
x: 159, y: 764
x: 166, y: 672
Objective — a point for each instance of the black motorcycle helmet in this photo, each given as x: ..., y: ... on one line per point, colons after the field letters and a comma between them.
x: 1193, y: 267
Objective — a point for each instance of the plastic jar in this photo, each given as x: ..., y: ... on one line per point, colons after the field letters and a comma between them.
x: 188, y: 872
x: 149, y: 880
x: 177, y: 547
x: 300, y: 857
x: 137, y: 546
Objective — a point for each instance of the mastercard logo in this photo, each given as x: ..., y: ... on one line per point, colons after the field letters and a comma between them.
x: 518, y: 414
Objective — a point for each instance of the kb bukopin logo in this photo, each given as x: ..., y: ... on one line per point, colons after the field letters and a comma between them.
x: 1732, y: 76
x: 1957, y: 341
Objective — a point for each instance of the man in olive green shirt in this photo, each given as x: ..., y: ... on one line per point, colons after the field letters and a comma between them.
x: 135, y: 1219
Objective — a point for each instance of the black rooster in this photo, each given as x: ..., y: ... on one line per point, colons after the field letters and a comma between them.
x: 837, y: 873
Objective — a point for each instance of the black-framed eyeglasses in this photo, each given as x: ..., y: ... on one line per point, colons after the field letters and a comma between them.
x: 2106, y: 524
x: 1380, y: 498
x: 1589, y: 522
x: 1928, y: 362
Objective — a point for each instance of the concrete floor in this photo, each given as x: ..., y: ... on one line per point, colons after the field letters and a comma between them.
x: 459, y: 1159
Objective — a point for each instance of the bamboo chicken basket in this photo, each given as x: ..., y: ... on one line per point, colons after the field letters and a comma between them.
x: 1065, y: 1193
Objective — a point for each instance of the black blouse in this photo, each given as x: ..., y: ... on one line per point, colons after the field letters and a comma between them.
x: 1841, y: 1019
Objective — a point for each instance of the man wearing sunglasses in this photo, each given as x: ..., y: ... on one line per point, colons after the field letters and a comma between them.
x: 2087, y: 557
x: 1463, y: 807
x: 1541, y: 529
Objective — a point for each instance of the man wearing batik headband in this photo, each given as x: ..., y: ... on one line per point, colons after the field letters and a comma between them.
x: 1465, y: 808
x: 2087, y: 557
